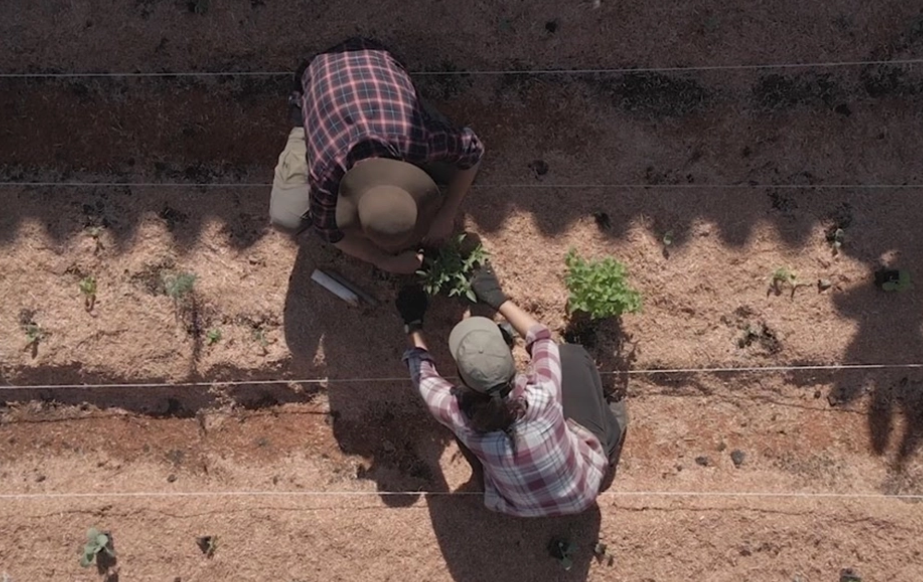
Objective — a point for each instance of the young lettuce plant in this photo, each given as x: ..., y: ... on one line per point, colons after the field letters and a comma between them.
x: 599, y: 289
x: 96, y: 542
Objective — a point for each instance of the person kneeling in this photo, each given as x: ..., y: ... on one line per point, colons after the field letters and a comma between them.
x: 545, y: 442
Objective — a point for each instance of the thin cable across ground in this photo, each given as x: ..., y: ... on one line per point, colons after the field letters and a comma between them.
x: 325, y: 381
x: 545, y: 186
x: 260, y: 493
x: 488, y: 72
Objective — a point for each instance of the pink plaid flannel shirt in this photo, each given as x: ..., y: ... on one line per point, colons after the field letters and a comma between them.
x: 558, y: 465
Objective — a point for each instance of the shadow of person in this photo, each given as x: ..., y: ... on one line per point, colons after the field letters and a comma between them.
x: 482, y: 546
x: 889, y: 332
x: 374, y: 412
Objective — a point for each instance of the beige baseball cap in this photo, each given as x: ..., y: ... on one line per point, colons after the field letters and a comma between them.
x: 481, y: 354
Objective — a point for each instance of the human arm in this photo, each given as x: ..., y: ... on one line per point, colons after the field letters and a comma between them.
x: 435, y: 390
x: 456, y: 191
x: 405, y: 263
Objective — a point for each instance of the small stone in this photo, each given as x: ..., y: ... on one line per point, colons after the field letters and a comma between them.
x: 551, y: 26
x: 738, y: 457
x: 703, y: 461
x: 171, y: 478
x: 540, y: 167
x: 824, y: 284
x: 745, y: 552
x: 817, y: 394
x: 721, y: 446
x: 39, y: 478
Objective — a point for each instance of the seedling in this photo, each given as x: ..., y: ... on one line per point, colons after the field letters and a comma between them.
x: 836, y: 238
x: 599, y: 288
x: 95, y: 232
x: 450, y: 270
x: 893, y: 280
x: 213, y: 336
x: 562, y: 550
x: 208, y: 545
x: 88, y: 289
x: 783, y: 277
x: 259, y: 336
x: 179, y: 285
x: 96, y: 542
x: 668, y: 238
x: 601, y: 551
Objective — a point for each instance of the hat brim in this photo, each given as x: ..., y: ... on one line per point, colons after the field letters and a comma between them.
x: 376, y: 172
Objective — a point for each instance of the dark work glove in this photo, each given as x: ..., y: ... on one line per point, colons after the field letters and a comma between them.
x: 411, y: 304
x: 487, y: 287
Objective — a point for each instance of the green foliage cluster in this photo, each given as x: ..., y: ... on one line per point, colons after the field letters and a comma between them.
x: 179, y: 285
x: 901, y: 283
x: 599, y: 288
x: 96, y: 542
x: 449, y: 271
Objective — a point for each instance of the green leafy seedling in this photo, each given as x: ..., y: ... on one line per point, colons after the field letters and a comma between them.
x: 94, y: 232
x: 783, y: 277
x: 449, y: 271
x: 668, y: 238
x: 563, y: 551
x: 179, y: 285
x: 213, y: 336
x: 34, y: 336
x: 599, y: 288
x: 88, y: 289
x: 901, y: 284
x: 836, y: 238
x: 208, y: 545
x: 96, y: 542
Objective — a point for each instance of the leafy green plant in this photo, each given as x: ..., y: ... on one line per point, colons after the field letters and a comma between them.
x: 900, y: 282
x: 599, y: 288
x: 179, y: 285
x: 213, y: 336
x: 449, y: 270
x: 96, y: 542
x: 88, y: 289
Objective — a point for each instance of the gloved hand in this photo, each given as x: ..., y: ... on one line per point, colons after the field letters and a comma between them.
x: 411, y: 305
x: 487, y: 287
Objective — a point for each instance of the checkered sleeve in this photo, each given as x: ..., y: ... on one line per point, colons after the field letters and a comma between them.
x: 546, y: 359
x: 460, y: 147
x: 435, y: 390
x: 323, y: 214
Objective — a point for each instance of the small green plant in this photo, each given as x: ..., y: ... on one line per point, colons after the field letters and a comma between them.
x: 213, y: 336
x: 599, y: 288
x: 208, y: 545
x: 88, y: 289
x: 259, y: 336
x: 836, y: 238
x: 96, y: 542
x: 449, y: 271
x: 668, y: 238
x: 179, y: 285
x: 783, y: 277
x: 899, y: 281
x: 562, y: 550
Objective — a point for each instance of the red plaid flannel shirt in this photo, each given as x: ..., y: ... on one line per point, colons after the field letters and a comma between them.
x: 558, y: 465
x: 359, y: 103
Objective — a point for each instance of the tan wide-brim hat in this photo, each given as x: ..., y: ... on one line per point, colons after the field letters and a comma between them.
x: 393, y: 203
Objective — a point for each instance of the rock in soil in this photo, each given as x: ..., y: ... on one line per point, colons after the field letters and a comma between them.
x: 738, y: 456
x: 703, y: 461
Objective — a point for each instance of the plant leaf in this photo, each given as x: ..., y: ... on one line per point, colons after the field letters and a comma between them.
x: 86, y: 560
x: 102, y: 540
x: 567, y: 563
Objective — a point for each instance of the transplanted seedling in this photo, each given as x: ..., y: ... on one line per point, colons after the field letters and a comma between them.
x: 782, y: 277
x: 449, y: 270
x: 97, y: 542
x: 88, y: 289
x: 208, y: 545
x: 562, y: 550
x: 213, y: 336
x: 599, y: 288
x: 179, y: 285
x: 94, y: 232
x: 836, y: 238
x: 893, y: 280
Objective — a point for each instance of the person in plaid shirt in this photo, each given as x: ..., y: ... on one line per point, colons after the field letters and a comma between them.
x: 359, y: 166
x: 543, y: 443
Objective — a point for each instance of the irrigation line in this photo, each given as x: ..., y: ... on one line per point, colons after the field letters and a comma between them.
x: 481, y: 186
x: 257, y: 493
x: 651, y: 371
x: 488, y: 72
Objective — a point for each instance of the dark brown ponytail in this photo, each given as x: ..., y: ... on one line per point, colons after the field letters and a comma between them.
x: 491, y: 412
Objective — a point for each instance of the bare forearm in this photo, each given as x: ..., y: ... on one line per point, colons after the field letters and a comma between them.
x: 519, y: 319
x: 416, y: 340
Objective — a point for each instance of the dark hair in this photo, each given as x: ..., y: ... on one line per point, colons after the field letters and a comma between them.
x: 491, y: 412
